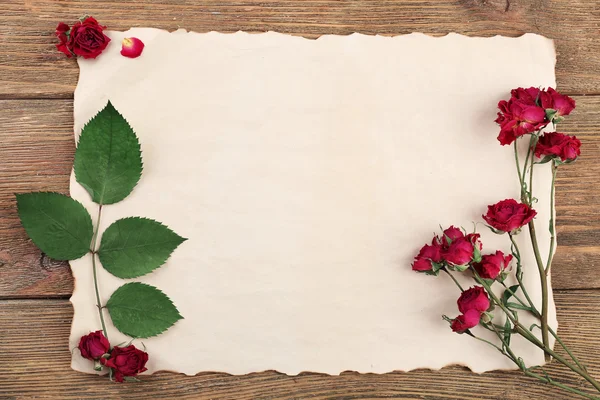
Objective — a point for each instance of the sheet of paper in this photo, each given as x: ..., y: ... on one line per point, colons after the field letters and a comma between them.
x: 306, y: 175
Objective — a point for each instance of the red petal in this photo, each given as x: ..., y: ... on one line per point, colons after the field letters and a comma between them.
x: 132, y: 47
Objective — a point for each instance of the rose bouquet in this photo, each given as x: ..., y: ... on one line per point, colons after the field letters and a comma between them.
x: 526, y: 115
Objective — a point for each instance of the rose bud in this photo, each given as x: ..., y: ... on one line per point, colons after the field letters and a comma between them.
x: 492, y: 265
x: 553, y: 100
x: 474, y: 298
x: 556, y: 144
x: 464, y: 322
x: 453, y: 233
x: 93, y: 346
x: 508, y: 215
x: 87, y: 38
x: 126, y: 361
x: 459, y: 252
x: 132, y: 47
x: 62, y: 32
x: 427, y: 255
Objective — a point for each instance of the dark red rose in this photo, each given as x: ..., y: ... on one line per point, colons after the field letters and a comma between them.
x: 474, y: 298
x: 453, y: 233
x: 529, y: 96
x: 517, y: 119
x: 62, y: 32
x: 126, y: 361
x: 93, y: 346
x: 427, y: 255
x: 492, y: 265
x: 508, y: 215
x: 468, y: 320
x: 551, y: 99
x: 556, y: 144
x: 87, y: 38
x: 459, y: 252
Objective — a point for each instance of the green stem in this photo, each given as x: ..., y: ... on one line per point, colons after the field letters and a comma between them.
x: 552, y: 231
x: 538, y: 258
x: 454, y: 279
x: 525, y: 333
x: 98, y: 302
x: 521, y: 176
x: 519, y: 273
x: 507, y: 351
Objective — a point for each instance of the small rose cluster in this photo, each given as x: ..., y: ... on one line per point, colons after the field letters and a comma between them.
x: 123, y: 361
x: 530, y: 110
x: 458, y: 251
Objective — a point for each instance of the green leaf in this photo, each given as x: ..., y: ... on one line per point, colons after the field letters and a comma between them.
x: 108, y: 159
x: 141, y: 310
x: 508, y: 293
x: 60, y: 226
x: 133, y: 247
x: 517, y: 306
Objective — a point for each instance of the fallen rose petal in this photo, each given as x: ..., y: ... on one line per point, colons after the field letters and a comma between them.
x: 132, y: 47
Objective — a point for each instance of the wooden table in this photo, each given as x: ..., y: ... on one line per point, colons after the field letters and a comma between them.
x: 36, y: 153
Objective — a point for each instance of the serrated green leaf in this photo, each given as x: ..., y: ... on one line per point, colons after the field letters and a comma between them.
x: 108, y: 159
x: 133, y: 247
x: 60, y: 226
x: 508, y: 293
x: 141, y: 310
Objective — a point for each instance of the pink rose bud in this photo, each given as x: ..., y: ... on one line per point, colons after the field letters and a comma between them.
x: 132, y: 47
x: 93, y: 346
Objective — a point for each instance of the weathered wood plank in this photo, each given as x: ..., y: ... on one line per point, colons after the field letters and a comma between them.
x: 34, y: 362
x: 37, y: 154
x: 31, y: 67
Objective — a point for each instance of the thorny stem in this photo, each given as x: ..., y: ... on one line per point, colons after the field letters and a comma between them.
x: 552, y: 229
x: 93, y: 251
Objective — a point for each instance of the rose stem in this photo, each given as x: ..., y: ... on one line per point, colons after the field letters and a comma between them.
x: 519, y: 273
x: 552, y: 211
x: 524, y: 332
x: 94, y: 252
x: 538, y: 258
x: 454, y: 279
x: 511, y: 356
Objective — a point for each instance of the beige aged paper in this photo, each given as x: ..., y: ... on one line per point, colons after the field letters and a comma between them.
x: 306, y: 175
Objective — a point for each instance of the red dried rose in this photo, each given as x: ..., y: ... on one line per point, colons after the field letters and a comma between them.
x: 86, y: 38
x: 464, y: 322
x: 459, y: 251
x: 492, y: 265
x: 508, y: 215
x: 126, y: 361
x: 453, y: 233
x: 556, y: 144
x: 474, y: 298
x: 62, y: 32
x: 93, y: 346
x: 132, y: 47
x: 427, y: 255
x: 517, y: 119
x: 551, y: 99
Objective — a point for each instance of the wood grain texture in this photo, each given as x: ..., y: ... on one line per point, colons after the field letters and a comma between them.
x: 34, y: 362
x: 30, y: 66
x: 37, y: 154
